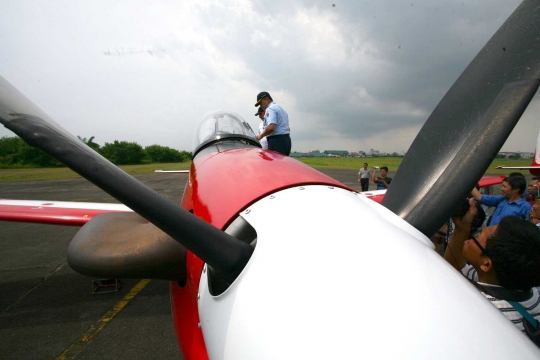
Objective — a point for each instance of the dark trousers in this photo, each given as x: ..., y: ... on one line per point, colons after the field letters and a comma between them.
x: 280, y: 143
x: 364, y: 183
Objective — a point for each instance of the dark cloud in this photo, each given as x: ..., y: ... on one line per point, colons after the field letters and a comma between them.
x: 348, y: 74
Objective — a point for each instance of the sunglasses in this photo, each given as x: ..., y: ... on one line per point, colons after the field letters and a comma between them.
x: 475, y: 239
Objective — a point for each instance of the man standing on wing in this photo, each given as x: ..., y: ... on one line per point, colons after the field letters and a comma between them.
x: 363, y: 177
x: 276, y: 122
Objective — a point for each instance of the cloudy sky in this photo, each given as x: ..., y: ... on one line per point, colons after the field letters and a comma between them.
x: 353, y: 75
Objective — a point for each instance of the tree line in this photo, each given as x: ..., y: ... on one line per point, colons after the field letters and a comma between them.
x: 14, y: 152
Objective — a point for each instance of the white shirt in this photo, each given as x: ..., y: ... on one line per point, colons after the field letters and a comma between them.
x: 532, y: 305
x: 263, y: 141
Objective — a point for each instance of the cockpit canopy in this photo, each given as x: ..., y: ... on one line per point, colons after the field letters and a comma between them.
x: 222, y: 125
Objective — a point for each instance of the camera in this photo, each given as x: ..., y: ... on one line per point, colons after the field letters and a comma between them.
x: 462, y: 209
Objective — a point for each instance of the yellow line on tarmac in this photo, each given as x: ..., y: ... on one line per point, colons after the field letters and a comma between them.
x: 77, y: 346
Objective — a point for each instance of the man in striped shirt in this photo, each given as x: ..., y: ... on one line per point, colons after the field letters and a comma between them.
x: 503, y: 261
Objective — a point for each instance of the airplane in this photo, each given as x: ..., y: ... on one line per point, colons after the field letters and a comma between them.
x: 534, y: 168
x: 263, y: 254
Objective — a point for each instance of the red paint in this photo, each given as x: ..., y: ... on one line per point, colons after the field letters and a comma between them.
x: 185, y: 312
x: 220, y: 186
x: 223, y: 184
x: 377, y: 198
x: 48, y: 215
x: 536, y: 170
x: 490, y: 180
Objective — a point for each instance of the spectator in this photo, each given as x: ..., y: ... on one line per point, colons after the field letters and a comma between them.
x: 525, y: 193
x: 260, y: 114
x: 532, y: 189
x: 363, y: 177
x: 383, y: 182
x: 535, y: 213
x: 503, y: 261
x: 509, y: 203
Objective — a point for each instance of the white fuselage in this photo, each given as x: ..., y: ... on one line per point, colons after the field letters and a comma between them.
x: 335, y: 275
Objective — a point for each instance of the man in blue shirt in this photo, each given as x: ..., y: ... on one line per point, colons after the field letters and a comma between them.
x: 509, y: 203
x: 276, y: 122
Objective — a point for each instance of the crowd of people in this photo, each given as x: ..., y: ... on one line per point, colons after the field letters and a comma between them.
x: 501, y: 256
x: 494, y: 241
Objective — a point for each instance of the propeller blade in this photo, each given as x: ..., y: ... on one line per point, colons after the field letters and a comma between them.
x: 224, y: 253
x: 469, y: 126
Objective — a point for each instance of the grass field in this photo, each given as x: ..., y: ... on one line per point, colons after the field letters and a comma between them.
x: 65, y: 173
x: 353, y: 164
x: 394, y: 162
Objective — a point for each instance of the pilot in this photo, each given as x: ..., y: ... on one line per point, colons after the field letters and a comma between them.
x: 276, y: 122
x: 260, y: 114
x: 503, y: 262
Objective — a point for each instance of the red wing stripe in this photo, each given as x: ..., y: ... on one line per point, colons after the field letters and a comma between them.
x: 50, y: 212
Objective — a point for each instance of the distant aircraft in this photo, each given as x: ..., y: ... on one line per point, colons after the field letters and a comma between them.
x: 270, y: 259
x: 534, y: 168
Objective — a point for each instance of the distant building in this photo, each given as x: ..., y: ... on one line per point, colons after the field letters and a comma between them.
x: 515, y: 155
x: 334, y: 153
x: 316, y: 153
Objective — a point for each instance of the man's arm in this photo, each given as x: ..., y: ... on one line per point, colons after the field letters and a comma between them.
x: 374, y: 176
x: 454, y: 250
x: 476, y: 194
x: 269, y: 130
x: 385, y: 183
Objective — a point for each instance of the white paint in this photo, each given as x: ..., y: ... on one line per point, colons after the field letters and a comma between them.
x: 334, y: 277
x: 172, y: 171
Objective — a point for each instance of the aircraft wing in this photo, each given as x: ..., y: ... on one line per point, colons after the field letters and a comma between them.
x: 55, y: 212
x: 518, y: 167
x: 172, y: 171
x: 490, y: 180
x: 79, y: 213
x: 487, y: 180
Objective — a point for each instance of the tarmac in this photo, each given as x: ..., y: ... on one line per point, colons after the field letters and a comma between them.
x: 47, y: 311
